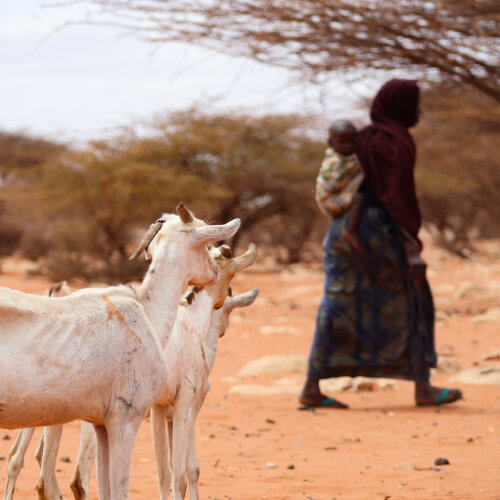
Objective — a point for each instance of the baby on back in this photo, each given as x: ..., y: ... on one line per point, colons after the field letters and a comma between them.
x: 340, y: 178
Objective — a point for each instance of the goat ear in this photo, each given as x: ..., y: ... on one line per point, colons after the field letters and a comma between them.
x: 184, y: 213
x: 207, y: 234
x: 248, y: 258
x: 60, y: 289
x: 243, y: 299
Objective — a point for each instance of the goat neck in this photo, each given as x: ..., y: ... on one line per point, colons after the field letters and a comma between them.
x: 165, y: 282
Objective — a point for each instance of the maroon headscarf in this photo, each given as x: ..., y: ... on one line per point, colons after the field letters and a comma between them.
x: 387, y: 153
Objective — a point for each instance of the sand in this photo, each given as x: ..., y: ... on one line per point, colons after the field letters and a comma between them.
x: 252, y: 441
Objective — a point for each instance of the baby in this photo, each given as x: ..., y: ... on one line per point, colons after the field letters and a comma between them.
x: 339, y: 179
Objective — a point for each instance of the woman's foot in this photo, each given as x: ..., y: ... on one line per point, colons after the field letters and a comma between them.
x: 326, y: 402
x: 311, y: 397
x: 428, y: 395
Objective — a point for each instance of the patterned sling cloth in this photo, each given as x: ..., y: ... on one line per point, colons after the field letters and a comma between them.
x: 373, y: 320
x: 338, y: 181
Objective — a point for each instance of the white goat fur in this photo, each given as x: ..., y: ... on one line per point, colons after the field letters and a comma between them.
x: 47, y: 486
x: 97, y: 355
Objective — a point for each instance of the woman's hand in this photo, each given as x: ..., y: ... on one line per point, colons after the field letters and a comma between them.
x: 417, y: 265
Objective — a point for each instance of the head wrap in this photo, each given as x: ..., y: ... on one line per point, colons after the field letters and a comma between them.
x: 387, y: 153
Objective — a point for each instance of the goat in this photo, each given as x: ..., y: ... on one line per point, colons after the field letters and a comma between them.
x: 97, y: 355
x: 218, y: 324
x: 190, y: 355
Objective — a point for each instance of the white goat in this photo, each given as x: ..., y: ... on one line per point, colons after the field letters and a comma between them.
x: 218, y: 324
x: 97, y: 355
x: 190, y: 355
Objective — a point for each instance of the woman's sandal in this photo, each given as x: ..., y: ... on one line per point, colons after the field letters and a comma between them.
x: 443, y: 398
x: 325, y: 403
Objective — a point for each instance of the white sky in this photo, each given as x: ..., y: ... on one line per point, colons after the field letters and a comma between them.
x: 85, y: 81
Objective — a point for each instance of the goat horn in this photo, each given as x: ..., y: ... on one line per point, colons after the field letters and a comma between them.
x: 148, y: 237
x: 185, y: 215
x: 248, y: 258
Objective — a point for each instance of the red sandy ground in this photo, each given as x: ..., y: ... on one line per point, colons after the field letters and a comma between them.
x: 350, y: 454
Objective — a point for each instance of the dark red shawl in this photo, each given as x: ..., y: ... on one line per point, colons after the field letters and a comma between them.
x: 387, y: 153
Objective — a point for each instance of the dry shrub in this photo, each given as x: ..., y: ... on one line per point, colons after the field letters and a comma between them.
x: 458, y: 174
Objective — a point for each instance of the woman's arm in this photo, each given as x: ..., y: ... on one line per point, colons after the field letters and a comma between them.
x: 417, y: 265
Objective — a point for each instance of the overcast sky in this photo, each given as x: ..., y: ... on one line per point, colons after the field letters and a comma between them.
x: 84, y: 81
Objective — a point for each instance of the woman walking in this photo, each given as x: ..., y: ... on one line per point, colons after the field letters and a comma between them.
x: 376, y: 318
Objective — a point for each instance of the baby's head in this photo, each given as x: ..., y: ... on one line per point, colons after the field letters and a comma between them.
x: 342, y: 137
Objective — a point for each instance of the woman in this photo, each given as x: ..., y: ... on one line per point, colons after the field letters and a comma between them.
x: 376, y: 318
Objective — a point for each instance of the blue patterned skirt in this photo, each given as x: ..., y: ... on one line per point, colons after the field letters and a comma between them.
x: 373, y: 320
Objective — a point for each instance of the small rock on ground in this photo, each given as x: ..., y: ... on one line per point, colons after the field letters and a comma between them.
x: 441, y: 461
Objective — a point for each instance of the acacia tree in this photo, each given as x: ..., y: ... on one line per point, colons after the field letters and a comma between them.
x: 20, y: 152
x: 444, y: 40
x: 94, y: 199
x: 458, y: 175
x: 21, y: 155
x: 265, y: 165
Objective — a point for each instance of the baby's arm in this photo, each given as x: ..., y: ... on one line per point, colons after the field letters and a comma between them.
x: 351, y: 231
x: 358, y: 203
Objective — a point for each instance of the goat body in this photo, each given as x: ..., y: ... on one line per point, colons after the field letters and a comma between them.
x: 74, y: 358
